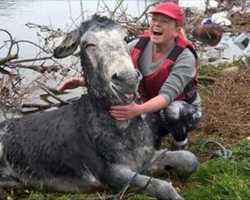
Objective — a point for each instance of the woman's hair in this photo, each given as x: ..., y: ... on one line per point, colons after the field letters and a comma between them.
x: 182, y: 33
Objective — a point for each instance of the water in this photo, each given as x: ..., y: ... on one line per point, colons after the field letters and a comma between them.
x: 59, y: 14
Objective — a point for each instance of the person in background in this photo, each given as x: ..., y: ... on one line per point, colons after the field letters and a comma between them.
x: 168, y: 63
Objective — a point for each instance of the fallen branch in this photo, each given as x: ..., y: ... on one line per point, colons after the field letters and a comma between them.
x: 31, y: 59
x: 38, y: 68
x: 9, y: 56
x: 40, y: 106
x: 51, y: 93
x: 55, y: 33
x: 36, y: 45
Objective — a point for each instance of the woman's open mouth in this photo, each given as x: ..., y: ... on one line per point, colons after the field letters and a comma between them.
x: 157, y: 33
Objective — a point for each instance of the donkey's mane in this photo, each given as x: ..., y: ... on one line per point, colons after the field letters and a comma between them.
x: 100, y: 22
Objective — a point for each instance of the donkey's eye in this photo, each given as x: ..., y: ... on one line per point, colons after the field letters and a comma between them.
x: 89, y: 45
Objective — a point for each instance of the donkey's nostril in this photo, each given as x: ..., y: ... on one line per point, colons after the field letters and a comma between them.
x: 139, y: 75
x: 115, y: 77
x: 119, y: 77
x: 129, y: 76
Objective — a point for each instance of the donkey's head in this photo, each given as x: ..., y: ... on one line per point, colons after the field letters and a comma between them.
x: 107, y: 66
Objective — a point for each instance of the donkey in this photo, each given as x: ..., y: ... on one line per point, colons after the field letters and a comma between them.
x: 81, y: 147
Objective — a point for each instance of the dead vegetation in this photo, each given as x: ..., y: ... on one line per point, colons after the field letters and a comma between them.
x: 226, y: 110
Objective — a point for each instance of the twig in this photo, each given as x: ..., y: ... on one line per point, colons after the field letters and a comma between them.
x: 119, y: 3
x: 81, y: 7
x: 32, y: 59
x: 9, y: 56
x: 38, y: 68
x: 43, y: 87
x: 43, y: 28
x: 145, y: 11
x: 27, y: 41
x: 40, y: 106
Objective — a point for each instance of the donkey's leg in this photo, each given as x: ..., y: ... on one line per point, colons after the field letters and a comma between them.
x: 63, y: 184
x: 9, y: 183
x: 120, y: 176
x: 85, y: 184
x: 7, y: 176
x: 183, y: 163
x: 59, y: 184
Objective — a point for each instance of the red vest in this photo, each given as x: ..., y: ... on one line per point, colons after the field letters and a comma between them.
x: 150, y: 85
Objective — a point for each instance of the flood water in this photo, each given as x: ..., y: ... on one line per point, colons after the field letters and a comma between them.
x: 59, y: 14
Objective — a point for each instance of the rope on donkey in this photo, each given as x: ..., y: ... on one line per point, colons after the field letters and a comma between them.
x: 126, y: 186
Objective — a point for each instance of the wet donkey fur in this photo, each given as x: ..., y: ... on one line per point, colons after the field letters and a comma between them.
x: 80, y: 147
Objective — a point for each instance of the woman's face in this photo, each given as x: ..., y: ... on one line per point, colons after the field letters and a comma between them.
x: 163, y: 29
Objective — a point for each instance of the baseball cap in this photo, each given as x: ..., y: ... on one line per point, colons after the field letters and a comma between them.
x: 171, y: 10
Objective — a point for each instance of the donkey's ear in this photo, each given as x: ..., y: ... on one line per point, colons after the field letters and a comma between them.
x: 68, y: 45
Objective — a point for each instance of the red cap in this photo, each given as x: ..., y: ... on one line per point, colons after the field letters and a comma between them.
x: 171, y: 10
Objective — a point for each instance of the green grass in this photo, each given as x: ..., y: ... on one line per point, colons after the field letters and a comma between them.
x: 222, y: 179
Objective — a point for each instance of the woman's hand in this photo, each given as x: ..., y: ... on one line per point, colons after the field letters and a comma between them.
x: 132, y: 110
x: 71, y: 83
x: 125, y: 112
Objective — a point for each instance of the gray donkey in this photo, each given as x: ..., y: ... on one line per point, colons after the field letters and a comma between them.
x: 81, y: 147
